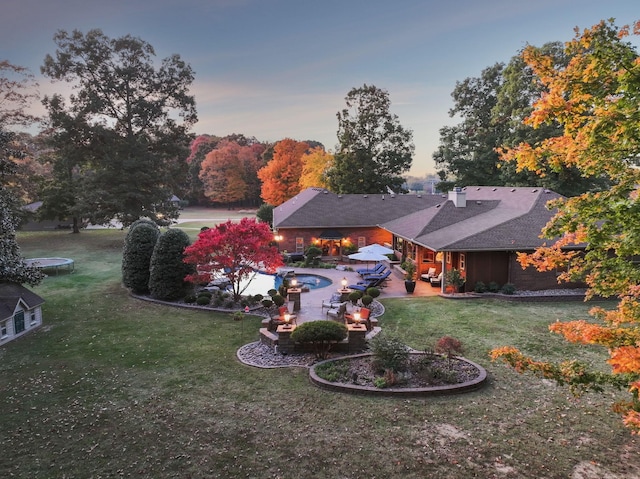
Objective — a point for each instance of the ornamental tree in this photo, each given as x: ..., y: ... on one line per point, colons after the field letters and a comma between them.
x: 237, y: 249
x: 595, y: 100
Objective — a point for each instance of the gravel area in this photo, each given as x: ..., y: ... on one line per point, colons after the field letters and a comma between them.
x: 262, y: 356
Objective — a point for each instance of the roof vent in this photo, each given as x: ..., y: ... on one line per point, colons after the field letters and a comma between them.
x: 438, y: 205
x: 339, y: 196
x: 383, y: 197
x: 478, y: 188
x: 495, y: 189
x: 535, y: 191
x: 478, y: 202
x: 419, y: 196
x: 512, y: 190
x: 365, y: 196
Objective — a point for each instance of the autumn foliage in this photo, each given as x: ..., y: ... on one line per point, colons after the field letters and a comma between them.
x: 595, y: 100
x: 280, y: 177
x: 237, y: 249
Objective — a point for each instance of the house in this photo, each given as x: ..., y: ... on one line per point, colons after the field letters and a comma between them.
x: 477, y: 230
x: 20, y: 311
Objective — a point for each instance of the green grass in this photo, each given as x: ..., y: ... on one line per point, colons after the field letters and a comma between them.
x: 115, y: 387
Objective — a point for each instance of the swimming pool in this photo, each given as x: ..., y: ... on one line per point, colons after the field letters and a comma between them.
x: 263, y: 282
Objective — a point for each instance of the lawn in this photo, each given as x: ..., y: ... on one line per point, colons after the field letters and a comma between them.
x: 115, y: 387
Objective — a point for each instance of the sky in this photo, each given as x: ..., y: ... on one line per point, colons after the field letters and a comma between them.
x: 277, y: 69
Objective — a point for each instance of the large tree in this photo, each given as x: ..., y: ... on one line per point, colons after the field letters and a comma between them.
x: 281, y: 175
x: 491, y: 108
x: 237, y: 249
x: 374, y: 148
x: 315, y: 165
x: 132, y: 118
x: 595, y: 100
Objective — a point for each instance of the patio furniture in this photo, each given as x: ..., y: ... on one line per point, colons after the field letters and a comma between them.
x: 431, y: 273
x: 337, y: 314
x: 365, y: 318
x: 333, y: 302
x: 372, y: 281
x: 377, y: 269
x: 437, y: 281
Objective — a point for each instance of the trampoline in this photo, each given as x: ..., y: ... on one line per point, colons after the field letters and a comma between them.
x: 56, y: 264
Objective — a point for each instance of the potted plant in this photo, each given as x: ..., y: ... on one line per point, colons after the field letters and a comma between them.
x: 454, y: 279
x: 409, y: 276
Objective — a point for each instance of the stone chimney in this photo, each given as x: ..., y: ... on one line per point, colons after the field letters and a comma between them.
x: 458, y: 197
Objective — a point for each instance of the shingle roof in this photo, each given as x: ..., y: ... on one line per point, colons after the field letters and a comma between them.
x: 11, y: 294
x: 495, y: 218
x: 319, y: 208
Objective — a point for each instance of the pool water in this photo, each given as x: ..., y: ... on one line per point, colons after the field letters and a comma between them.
x: 262, y: 282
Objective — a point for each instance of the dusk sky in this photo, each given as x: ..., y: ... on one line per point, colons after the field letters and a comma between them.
x: 278, y: 69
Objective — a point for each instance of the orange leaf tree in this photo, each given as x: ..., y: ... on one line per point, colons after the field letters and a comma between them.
x: 281, y: 175
x: 596, y: 100
x: 239, y: 249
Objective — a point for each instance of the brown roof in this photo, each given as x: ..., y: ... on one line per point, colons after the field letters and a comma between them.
x: 494, y: 218
x: 319, y: 208
x: 11, y: 294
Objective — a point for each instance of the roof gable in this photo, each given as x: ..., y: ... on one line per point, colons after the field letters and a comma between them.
x: 11, y: 294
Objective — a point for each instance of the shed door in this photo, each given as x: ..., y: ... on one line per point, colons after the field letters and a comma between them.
x: 18, y: 322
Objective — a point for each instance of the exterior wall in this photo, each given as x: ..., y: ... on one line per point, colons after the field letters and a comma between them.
x: 29, y: 324
x: 487, y: 266
x: 310, y: 235
x: 531, y: 280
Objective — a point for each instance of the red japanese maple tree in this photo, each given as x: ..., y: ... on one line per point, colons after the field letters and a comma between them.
x: 238, y: 249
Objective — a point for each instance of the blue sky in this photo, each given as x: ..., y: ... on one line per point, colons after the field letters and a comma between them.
x: 278, y: 69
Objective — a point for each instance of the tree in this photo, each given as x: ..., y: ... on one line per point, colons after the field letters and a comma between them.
x: 265, y: 213
x: 198, y: 148
x: 280, y: 176
x: 229, y: 172
x: 374, y: 149
x: 238, y: 249
x: 594, y: 99
x: 17, y: 90
x: 132, y: 118
x: 167, y: 268
x: 13, y: 268
x: 491, y: 108
x: 315, y: 164
x: 136, y: 255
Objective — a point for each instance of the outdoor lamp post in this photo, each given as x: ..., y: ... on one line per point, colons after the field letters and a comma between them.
x: 356, y: 318
x: 294, y: 283
x: 344, y: 283
x: 287, y: 318
x: 277, y: 238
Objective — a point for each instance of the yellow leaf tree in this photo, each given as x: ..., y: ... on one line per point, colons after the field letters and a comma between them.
x: 596, y: 99
x: 314, y: 165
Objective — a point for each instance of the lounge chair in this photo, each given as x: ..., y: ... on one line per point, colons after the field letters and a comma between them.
x: 431, y: 273
x: 371, y: 282
x: 437, y: 281
x: 377, y: 269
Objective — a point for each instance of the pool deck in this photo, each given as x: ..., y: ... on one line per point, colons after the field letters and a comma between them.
x: 311, y: 301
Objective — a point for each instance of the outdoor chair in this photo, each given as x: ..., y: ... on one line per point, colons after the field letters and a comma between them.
x: 334, y: 302
x: 437, y: 281
x: 431, y: 273
x: 377, y: 269
x: 337, y: 314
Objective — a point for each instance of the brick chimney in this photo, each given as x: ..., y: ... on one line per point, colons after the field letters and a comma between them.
x: 458, y: 197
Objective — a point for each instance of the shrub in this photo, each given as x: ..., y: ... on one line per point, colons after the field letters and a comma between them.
x: 454, y: 278
x: 313, y: 255
x: 449, y: 346
x: 373, y: 292
x: 389, y: 353
x: 203, y: 300
x: 267, y: 303
x: 278, y: 300
x: 354, y: 296
x: 480, y: 287
x: 320, y: 335
x: 409, y: 270
x: 167, y: 270
x: 272, y: 292
x: 190, y: 298
x: 508, y: 288
x: 206, y: 293
x: 366, y: 300
x: 257, y: 298
x: 493, y: 287
x: 136, y: 256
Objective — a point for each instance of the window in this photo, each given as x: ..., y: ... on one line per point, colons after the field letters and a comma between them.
x: 462, y: 261
x: 33, y: 318
x: 4, y: 332
x: 428, y: 256
x: 18, y: 322
x: 362, y: 242
x: 299, y: 245
x: 448, y: 257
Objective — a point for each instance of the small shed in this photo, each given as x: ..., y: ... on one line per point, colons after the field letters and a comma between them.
x: 20, y: 311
